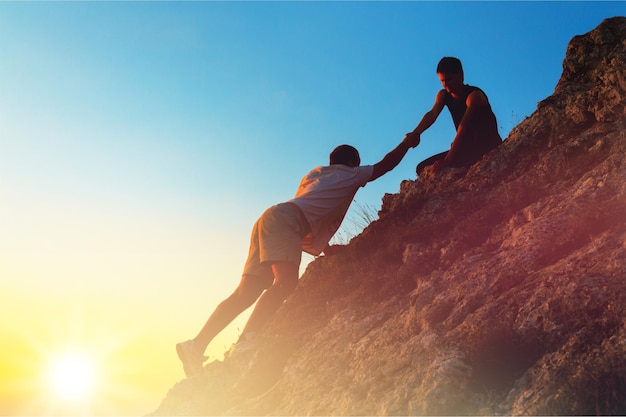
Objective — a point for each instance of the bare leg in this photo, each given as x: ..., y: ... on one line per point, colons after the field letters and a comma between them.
x: 249, y: 289
x: 285, y: 281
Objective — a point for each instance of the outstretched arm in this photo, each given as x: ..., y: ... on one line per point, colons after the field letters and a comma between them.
x: 429, y: 118
x: 393, y: 158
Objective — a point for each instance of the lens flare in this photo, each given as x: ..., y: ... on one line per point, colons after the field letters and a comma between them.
x: 73, y: 376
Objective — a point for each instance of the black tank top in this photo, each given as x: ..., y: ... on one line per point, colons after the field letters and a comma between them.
x: 484, y: 128
x: 458, y: 107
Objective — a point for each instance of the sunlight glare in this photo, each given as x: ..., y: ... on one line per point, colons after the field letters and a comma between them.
x: 73, y: 376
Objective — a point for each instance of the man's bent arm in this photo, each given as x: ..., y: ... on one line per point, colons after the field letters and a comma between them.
x: 431, y: 116
x: 474, y: 101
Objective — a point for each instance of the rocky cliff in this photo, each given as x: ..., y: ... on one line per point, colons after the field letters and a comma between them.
x: 495, y: 290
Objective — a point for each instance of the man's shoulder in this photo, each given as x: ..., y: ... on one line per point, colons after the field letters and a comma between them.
x: 360, y: 174
x: 473, y: 89
x: 343, y: 170
x: 476, y: 96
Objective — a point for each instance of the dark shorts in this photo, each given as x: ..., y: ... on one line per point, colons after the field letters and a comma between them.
x: 429, y: 161
x: 466, y: 159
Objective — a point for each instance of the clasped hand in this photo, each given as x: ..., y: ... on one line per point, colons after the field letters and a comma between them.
x: 412, y: 138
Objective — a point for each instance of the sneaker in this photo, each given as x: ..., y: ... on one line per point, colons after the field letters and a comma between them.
x: 244, y: 344
x: 190, y: 357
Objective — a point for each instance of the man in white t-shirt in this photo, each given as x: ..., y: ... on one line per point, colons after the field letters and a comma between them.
x: 307, y: 222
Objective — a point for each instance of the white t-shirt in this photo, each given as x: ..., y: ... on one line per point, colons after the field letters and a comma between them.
x: 324, y: 196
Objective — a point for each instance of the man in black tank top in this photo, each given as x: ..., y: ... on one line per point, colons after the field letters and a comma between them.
x: 475, y: 123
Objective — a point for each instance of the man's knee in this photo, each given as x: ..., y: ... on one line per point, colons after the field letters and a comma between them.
x: 286, y: 286
x: 285, y: 277
x: 251, y: 287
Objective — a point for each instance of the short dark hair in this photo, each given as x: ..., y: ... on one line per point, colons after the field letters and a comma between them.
x: 449, y: 65
x: 345, y: 155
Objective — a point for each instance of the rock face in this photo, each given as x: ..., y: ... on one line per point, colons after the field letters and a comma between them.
x: 495, y: 290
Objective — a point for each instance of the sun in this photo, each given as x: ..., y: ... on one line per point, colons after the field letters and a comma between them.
x: 73, y: 376
x: 78, y: 365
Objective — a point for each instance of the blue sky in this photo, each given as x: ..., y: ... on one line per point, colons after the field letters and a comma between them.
x: 139, y: 141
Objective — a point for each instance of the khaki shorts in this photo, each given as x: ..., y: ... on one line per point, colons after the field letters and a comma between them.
x: 276, y: 237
